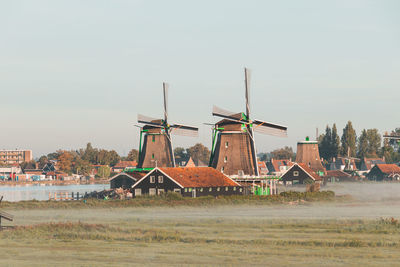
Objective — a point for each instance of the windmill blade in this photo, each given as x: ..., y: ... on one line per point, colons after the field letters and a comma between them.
x: 179, y: 129
x: 247, y: 92
x: 269, y: 128
x: 165, y: 91
x: 395, y: 137
x: 224, y: 113
x: 148, y: 120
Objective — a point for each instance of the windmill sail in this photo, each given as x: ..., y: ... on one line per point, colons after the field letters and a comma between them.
x: 269, y: 128
x: 149, y: 120
x: 225, y: 113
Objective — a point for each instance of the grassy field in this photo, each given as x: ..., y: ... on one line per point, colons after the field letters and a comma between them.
x: 283, y: 234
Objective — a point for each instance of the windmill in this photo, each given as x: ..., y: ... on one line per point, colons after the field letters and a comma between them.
x: 308, y: 153
x: 348, y: 159
x: 233, y: 150
x: 157, y: 147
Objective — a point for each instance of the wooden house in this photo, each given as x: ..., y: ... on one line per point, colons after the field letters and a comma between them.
x: 333, y: 176
x: 188, y: 181
x: 300, y: 173
x: 368, y: 163
x: 384, y: 172
x: 125, y: 180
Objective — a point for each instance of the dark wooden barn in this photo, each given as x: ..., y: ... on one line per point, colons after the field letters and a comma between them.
x: 384, y: 172
x: 125, y: 180
x: 300, y: 173
x: 188, y: 181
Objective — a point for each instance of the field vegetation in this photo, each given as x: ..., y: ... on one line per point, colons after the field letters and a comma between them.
x: 174, y: 199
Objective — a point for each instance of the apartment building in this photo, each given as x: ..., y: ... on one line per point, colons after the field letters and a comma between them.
x: 15, y: 156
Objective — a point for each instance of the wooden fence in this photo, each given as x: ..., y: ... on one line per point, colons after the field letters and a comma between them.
x: 65, y: 196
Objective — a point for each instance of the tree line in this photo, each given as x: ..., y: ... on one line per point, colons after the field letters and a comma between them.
x: 367, y: 144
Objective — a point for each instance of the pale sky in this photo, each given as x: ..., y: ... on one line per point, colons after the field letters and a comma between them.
x: 73, y: 72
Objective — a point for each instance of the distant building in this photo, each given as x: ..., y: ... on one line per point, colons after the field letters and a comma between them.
x: 262, y: 168
x: 9, y: 173
x: 122, y: 165
x: 384, y: 172
x: 278, y: 166
x: 125, y: 180
x: 333, y: 176
x: 300, y: 173
x: 190, y: 182
x: 368, y: 163
x: 340, y: 164
x: 15, y: 156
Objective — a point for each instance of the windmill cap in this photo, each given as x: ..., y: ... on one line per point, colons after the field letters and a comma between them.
x: 307, y: 142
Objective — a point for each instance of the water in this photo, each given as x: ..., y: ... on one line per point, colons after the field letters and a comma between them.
x: 41, y: 191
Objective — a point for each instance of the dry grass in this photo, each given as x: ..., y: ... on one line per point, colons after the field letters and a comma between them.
x: 180, y: 240
x: 173, y: 199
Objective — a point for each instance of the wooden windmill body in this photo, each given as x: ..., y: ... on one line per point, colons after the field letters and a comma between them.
x: 233, y: 146
x: 308, y: 153
x: 157, y: 149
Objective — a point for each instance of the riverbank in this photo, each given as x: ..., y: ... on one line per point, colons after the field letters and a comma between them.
x: 53, y: 182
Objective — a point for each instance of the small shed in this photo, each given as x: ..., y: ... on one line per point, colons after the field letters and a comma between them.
x: 188, y: 181
x: 125, y: 180
x: 300, y: 173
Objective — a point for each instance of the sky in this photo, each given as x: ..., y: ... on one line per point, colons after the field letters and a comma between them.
x: 73, y: 72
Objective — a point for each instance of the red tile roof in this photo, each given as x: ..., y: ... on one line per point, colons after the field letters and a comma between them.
x: 199, y: 177
x: 310, y: 171
x: 388, y: 168
x: 337, y: 173
x: 125, y: 164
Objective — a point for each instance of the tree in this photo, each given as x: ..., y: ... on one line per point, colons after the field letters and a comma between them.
x: 133, y: 155
x: 349, y: 138
x: 65, y: 161
x: 199, y: 152
x: 283, y: 153
x: 369, y: 143
x: 335, y: 142
x: 374, y: 141
x: 42, y: 161
x: 90, y: 154
x: 28, y: 165
x: 103, y: 172
x: 82, y: 167
x: 325, y: 144
x: 181, y: 154
x: 362, y: 149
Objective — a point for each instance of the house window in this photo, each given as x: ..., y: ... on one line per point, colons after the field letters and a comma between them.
x: 240, y: 190
x: 177, y: 190
x: 234, y: 188
x: 190, y: 189
x: 186, y: 189
x: 160, y: 179
x: 152, y: 191
x: 225, y: 159
x: 218, y: 188
x: 226, y: 144
x: 222, y: 169
x: 295, y: 173
x: 152, y: 179
x: 210, y: 189
x: 160, y: 191
x: 153, y: 138
x: 152, y: 155
x: 226, y: 188
x: 138, y: 192
x: 201, y: 189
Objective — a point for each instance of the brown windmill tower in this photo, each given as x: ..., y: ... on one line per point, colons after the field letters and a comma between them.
x: 233, y: 149
x: 308, y: 153
x: 157, y: 147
